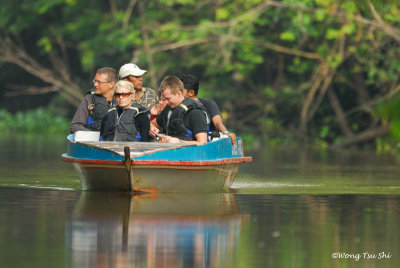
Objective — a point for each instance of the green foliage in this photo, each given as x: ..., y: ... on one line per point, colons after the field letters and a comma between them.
x: 36, y: 121
x: 324, y: 131
x: 250, y: 55
x: 288, y: 36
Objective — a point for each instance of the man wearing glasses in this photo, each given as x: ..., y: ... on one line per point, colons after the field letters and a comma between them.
x: 96, y: 103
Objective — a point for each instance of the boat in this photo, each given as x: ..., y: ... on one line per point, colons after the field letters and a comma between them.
x: 155, y: 167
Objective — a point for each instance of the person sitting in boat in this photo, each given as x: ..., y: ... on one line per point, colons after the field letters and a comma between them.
x: 97, y: 102
x: 127, y: 121
x: 190, y: 90
x: 145, y: 96
x: 183, y: 119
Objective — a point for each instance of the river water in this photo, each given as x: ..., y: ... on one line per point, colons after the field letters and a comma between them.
x: 288, y: 208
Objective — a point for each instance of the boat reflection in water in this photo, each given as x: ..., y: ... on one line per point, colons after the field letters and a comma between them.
x: 117, y: 229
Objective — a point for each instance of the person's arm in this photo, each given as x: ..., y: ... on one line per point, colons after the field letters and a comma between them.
x: 81, y: 115
x: 157, y: 108
x: 158, y: 123
x: 103, y: 127
x: 201, y: 138
x: 196, y: 121
x: 154, y: 128
x: 142, y: 123
x: 219, y: 125
x: 107, y: 127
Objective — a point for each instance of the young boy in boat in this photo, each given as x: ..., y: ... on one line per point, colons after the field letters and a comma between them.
x: 97, y: 102
x: 127, y: 121
x: 190, y: 90
x: 183, y: 119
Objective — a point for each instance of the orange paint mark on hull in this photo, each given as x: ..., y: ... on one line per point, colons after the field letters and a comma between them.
x: 152, y: 190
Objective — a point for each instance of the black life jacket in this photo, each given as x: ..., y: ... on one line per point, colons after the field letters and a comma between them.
x: 97, y: 110
x: 122, y: 128
x: 175, y: 125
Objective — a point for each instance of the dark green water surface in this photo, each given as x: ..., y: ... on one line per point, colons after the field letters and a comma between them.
x: 288, y: 208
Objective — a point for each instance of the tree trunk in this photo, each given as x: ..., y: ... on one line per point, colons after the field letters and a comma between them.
x: 365, y: 136
x: 146, y: 46
x: 340, y: 115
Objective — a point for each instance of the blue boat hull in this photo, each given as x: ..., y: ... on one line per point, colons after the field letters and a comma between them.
x: 154, y: 167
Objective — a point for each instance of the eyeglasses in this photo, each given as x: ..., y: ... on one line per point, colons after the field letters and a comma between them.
x: 122, y: 94
x: 99, y: 82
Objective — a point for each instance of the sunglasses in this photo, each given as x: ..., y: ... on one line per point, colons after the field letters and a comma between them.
x: 123, y: 94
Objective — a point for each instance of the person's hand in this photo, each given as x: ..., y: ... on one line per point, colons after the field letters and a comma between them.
x: 233, y: 137
x: 156, y: 109
x: 153, y: 130
x: 168, y: 139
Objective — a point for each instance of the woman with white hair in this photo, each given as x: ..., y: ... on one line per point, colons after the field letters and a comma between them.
x: 128, y: 121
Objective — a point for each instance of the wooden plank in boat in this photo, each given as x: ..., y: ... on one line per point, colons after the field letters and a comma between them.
x: 136, y: 148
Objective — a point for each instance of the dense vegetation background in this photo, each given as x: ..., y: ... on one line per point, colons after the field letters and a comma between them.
x: 320, y: 71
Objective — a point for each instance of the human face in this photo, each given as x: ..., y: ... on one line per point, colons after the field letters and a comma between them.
x: 137, y: 82
x: 185, y: 93
x: 123, y: 97
x: 188, y: 93
x: 102, y: 85
x: 172, y: 100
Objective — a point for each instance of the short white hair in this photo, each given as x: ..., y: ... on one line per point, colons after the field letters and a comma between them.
x: 124, y: 84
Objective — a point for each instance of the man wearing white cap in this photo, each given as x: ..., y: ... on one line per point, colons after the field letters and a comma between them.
x: 145, y: 96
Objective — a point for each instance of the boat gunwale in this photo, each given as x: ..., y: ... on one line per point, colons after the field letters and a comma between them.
x: 159, y: 162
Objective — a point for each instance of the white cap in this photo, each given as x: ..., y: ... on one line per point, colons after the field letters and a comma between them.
x: 130, y: 69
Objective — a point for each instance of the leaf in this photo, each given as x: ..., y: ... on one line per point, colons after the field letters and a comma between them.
x: 288, y: 36
x: 70, y: 2
x: 332, y: 34
x: 349, y: 6
x: 349, y: 28
x: 45, y: 43
x: 47, y: 5
x: 324, y: 131
x: 88, y: 59
x: 222, y: 14
x: 324, y: 2
x: 320, y: 14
